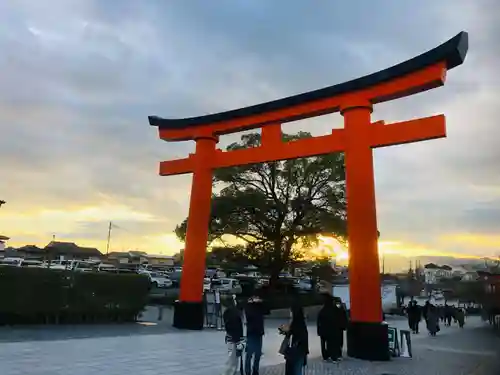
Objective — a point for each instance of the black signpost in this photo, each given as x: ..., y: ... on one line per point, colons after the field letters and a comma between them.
x: 394, y: 347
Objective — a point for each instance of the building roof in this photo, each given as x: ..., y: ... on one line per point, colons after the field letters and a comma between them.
x: 30, y: 249
x: 432, y: 266
x: 71, y: 248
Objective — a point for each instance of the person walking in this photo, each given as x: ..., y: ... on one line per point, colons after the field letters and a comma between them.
x: 425, y: 310
x: 448, y: 314
x: 254, y: 313
x: 432, y: 320
x: 326, y: 329
x: 343, y: 322
x: 234, y: 335
x: 414, y: 316
x: 460, y: 316
x: 298, y: 348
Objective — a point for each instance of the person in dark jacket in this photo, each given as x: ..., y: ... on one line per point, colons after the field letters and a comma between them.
x: 343, y: 323
x: 448, y: 314
x: 254, y: 313
x: 234, y: 335
x: 414, y: 316
x: 330, y: 329
x: 425, y: 309
x: 460, y: 316
x: 432, y: 320
x: 296, y: 354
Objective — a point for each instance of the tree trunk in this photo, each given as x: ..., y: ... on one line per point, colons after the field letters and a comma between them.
x: 274, y: 276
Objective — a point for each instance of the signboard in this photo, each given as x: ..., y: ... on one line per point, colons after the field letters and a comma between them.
x: 393, y: 341
x: 388, y: 293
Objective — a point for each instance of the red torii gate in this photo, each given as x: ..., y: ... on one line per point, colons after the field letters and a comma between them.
x: 367, y: 337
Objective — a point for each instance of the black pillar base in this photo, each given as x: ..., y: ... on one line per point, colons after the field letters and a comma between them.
x: 368, y: 341
x: 188, y: 315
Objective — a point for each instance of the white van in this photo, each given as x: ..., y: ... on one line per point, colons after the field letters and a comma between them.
x: 231, y: 286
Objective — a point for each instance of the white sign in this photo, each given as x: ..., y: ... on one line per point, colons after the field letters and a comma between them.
x: 389, y: 298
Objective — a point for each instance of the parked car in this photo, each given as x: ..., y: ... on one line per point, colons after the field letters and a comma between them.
x: 57, y: 264
x: 104, y: 267
x: 31, y: 263
x: 303, y: 285
x: 11, y: 262
x: 231, y: 286
x: 157, y: 280
x: 20, y: 262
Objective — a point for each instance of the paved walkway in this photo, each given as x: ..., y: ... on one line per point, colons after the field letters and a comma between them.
x: 453, y: 352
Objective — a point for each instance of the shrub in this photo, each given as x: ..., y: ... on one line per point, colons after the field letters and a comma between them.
x: 39, y: 295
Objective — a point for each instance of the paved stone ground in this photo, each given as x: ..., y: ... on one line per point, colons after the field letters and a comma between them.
x: 471, y: 351
x: 66, y: 332
x: 453, y: 352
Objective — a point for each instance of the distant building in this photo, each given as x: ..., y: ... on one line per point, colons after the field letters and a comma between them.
x: 160, y: 260
x: 55, y: 250
x: 71, y: 251
x: 491, y: 284
x: 127, y: 257
x: 434, y: 273
x: 140, y: 257
x: 3, y: 239
x: 25, y: 252
x: 470, y: 276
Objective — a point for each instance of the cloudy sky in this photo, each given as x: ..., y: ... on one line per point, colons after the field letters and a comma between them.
x: 78, y: 79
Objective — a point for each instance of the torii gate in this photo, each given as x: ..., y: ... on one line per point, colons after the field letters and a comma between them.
x: 367, y: 336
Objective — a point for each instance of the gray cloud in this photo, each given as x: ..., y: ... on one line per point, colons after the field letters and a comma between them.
x: 77, y: 84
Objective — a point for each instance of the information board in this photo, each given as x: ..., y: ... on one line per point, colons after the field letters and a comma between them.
x: 394, y: 347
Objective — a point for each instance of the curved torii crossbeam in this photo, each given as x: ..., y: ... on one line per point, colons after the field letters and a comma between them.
x: 367, y: 336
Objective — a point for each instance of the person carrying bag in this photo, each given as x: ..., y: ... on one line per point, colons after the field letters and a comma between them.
x: 295, y: 345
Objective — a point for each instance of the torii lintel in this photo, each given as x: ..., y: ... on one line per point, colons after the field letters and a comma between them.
x: 421, y: 73
x: 382, y: 135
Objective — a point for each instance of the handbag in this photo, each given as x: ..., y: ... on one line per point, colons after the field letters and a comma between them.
x: 285, y: 344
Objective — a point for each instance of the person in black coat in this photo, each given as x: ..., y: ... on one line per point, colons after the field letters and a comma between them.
x: 254, y: 313
x: 330, y: 329
x: 296, y: 354
x: 425, y: 309
x: 414, y: 316
x: 234, y: 335
x: 326, y: 327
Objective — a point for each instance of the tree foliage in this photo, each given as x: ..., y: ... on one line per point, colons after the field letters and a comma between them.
x: 277, y: 208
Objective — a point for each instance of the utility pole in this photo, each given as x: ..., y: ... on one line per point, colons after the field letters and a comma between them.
x: 109, y: 237
x: 383, y: 264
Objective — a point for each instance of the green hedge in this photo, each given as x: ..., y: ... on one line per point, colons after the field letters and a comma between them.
x: 43, y: 296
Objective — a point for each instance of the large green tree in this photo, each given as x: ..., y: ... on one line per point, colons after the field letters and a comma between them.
x: 277, y: 209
